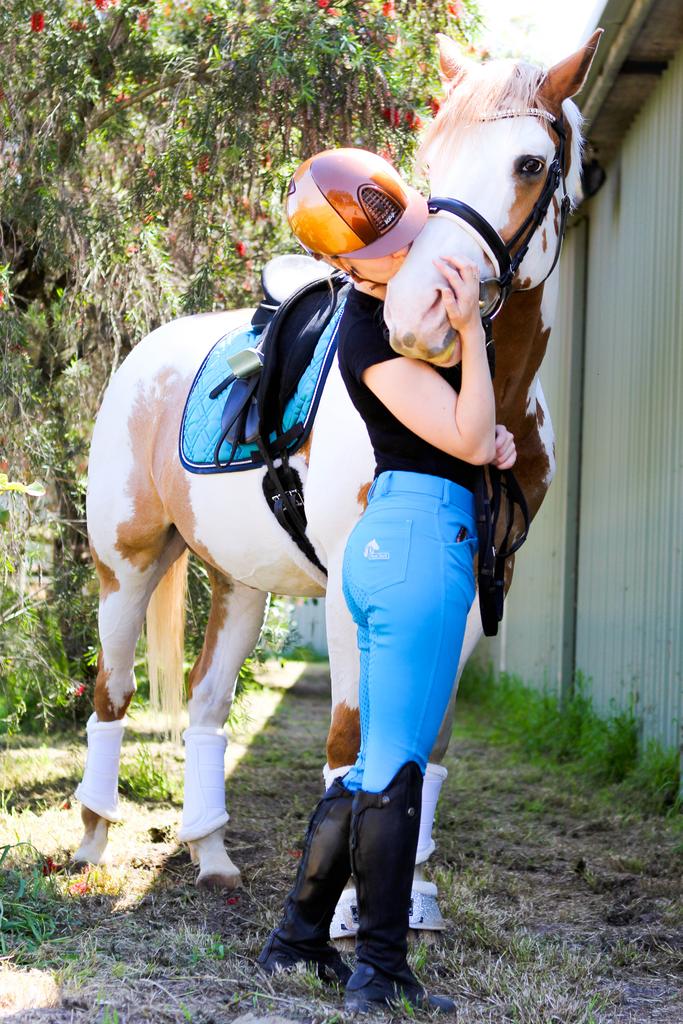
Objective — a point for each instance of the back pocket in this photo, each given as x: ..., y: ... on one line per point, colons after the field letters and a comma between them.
x: 378, y: 553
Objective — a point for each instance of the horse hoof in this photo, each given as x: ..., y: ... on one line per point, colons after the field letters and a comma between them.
x: 78, y: 864
x: 84, y: 858
x: 219, y: 880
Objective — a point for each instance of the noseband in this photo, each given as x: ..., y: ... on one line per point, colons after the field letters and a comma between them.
x: 500, y: 252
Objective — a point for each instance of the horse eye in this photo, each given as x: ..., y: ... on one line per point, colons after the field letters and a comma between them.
x: 530, y: 165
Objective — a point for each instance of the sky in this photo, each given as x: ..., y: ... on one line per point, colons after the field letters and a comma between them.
x: 544, y: 31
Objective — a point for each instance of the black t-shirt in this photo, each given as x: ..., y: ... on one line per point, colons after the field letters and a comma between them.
x: 362, y: 341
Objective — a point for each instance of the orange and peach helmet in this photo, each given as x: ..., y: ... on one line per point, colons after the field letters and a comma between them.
x: 352, y: 203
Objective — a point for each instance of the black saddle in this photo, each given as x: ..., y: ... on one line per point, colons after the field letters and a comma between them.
x: 300, y: 298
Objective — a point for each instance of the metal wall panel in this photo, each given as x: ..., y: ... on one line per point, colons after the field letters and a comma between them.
x: 627, y: 493
x: 630, y: 592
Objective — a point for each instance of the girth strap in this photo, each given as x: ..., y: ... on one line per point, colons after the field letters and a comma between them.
x: 282, y: 488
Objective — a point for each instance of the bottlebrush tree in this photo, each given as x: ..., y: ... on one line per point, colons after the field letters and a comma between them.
x: 144, y: 149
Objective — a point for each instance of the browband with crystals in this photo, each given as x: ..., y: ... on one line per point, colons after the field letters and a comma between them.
x: 528, y: 112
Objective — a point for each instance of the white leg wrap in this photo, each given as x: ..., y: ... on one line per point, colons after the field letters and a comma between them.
x: 99, y: 790
x: 204, y: 804
x: 431, y: 787
x: 330, y: 774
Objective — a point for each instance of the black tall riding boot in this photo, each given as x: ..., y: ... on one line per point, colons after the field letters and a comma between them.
x: 303, y: 934
x: 384, y: 834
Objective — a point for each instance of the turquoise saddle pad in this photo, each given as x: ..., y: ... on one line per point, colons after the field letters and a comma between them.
x: 200, y: 427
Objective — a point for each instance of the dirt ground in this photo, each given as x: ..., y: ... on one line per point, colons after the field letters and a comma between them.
x: 563, y: 904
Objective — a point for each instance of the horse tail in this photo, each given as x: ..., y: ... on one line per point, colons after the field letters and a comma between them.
x: 166, y: 644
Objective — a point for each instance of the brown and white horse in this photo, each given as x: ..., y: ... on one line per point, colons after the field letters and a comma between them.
x: 145, y: 511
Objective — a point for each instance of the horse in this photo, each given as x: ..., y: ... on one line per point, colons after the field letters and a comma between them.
x: 490, y: 144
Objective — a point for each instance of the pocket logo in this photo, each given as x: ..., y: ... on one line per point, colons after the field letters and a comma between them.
x: 373, y: 552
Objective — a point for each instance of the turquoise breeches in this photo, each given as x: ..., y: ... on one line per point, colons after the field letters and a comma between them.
x: 408, y: 581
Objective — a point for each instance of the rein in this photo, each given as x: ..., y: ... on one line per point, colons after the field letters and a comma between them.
x: 491, y: 567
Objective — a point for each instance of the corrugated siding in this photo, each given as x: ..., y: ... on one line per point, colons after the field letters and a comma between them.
x: 629, y: 616
x: 630, y: 595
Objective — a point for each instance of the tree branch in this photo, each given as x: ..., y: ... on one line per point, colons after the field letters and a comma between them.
x: 142, y: 94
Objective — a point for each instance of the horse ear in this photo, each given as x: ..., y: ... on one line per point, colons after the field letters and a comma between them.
x: 452, y: 64
x: 566, y: 78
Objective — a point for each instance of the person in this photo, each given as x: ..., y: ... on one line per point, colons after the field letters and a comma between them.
x: 408, y: 575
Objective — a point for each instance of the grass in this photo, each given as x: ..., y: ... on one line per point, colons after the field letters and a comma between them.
x: 604, y: 749
x: 145, y: 779
x: 30, y: 906
x: 562, y: 907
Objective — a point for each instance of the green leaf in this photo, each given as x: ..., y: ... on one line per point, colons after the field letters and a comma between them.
x: 35, y: 489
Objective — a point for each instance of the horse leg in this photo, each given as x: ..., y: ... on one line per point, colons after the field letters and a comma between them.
x: 343, y: 738
x: 343, y: 742
x: 233, y: 628
x: 425, y: 893
x: 124, y: 595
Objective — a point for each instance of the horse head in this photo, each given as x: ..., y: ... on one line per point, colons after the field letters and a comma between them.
x: 491, y: 146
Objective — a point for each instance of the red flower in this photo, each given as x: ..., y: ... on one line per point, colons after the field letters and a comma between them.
x: 322, y: 4
x: 203, y: 163
x: 434, y: 105
x: 334, y: 13
x: 240, y: 249
x: 79, y: 690
x: 2, y: 298
x: 417, y: 123
x: 232, y: 900
x: 396, y: 118
x: 37, y: 21
x: 101, y: 5
x: 208, y: 18
x: 456, y: 8
x: 78, y: 26
x: 388, y: 9
x: 386, y: 113
x: 49, y: 867
x: 188, y: 195
x: 143, y: 21
x: 410, y: 117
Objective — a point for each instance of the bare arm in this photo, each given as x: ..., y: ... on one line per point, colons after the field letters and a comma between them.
x: 461, y: 424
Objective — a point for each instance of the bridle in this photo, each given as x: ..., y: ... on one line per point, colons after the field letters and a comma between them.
x: 493, y: 294
x: 499, y: 252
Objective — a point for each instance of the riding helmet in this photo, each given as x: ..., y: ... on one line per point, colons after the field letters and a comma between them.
x: 353, y: 203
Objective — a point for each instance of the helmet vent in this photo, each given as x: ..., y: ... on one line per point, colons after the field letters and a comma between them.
x: 381, y: 209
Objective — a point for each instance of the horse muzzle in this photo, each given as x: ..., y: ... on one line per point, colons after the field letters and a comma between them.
x: 444, y: 352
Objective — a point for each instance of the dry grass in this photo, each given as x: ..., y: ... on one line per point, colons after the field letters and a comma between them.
x: 563, y: 905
